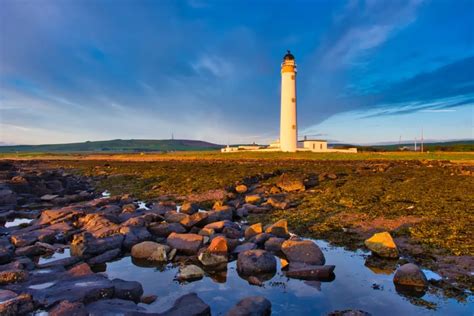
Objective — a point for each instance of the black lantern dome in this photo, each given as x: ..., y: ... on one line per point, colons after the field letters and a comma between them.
x: 288, y: 56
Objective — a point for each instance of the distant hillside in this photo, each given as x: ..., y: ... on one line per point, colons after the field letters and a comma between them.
x: 460, y: 146
x: 117, y: 145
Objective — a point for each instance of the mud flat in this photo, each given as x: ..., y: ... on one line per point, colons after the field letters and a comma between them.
x: 235, y: 237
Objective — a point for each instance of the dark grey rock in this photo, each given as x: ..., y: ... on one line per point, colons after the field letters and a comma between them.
x: 189, y: 305
x: 251, y: 306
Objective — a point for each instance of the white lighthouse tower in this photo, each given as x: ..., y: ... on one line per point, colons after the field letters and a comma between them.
x: 288, y: 127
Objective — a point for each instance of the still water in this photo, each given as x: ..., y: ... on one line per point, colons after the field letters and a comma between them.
x: 355, y: 287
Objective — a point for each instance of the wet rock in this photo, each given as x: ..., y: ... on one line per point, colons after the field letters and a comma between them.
x: 134, y: 235
x: 12, y: 304
x: 244, y: 247
x: 382, y: 245
x: 260, y: 239
x: 127, y: 290
x: 6, y: 250
x: 189, y: 208
x: 241, y: 188
x: 33, y: 250
x: 253, y: 230
x: 76, y: 289
x: 290, y: 183
x: 305, y: 251
x: 279, y: 229
x: 13, y: 276
x: 185, y: 243
x: 251, y: 306
x: 211, y: 260
x: 150, y: 250
x: 410, y: 275
x: 65, y: 262
x: 100, y: 225
x: 8, y: 199
x: 105, y: 257
x: 189, y: 305
x: 190, y: 273
x: 164, y: 229
x: 82, y: 269
x: 299, y: 270
x: 253, y: 262
x: 349, y: 312
x: 114, y: 307
x: 66, y: 308
x: 253, y: 199
x: 274, y: 244
x: 86, y: 244
x: 60, y: 215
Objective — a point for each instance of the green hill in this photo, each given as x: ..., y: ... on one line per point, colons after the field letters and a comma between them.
x: 117, y: 145
x: 458, y: 146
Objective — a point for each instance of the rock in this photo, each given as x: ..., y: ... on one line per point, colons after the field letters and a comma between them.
x: 185, y: 243
x: 164, y: 229
x: 99, y: 225
x: 278, y: 204
x: 6, y: 250
x: 189, y: 305
x: 175, y: 217
x: 12, y: 304
x: 260, y: 239
x: 66, y: 308
x: 86, y: 244
x: 299, y: 270
x: 251, y: 306
x: 105, y: 257
x: 150, y: 250
x: 232, y: 233
x: 13, y: 276
x: 134, y: 235
x: 274, y: 244
x: 253, y: 280
x: 189, y: 208
x: 220, y: 225
x: 244, y: 247
x: 114, y: 307
x: 254, y: 262
x: 218, y: 246
x: 222, y: 213
x: 82, y: 269
x: 279, y: 229
x: 253, y: 230
x: 241, y: 188
x: 197, y: 219
x: 48, y: 197
x: 305, y: 251
x: 290, y: 183
x: 207, y: 232
x: 253, y: 199
x: 410, y: 275
x: 129, y: 208
x: 148, y: 299
x: 8, y: 198
x: 349, y: 312
x: 32, y: 251
x: 127, y: 290
x: 190, y: 273
x: 382, y: 245
x: 211, y: 260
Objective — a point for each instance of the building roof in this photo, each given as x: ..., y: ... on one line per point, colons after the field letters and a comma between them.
x: 288, y: 56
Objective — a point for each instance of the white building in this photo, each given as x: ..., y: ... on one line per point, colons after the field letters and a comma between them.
x: 288, y: 141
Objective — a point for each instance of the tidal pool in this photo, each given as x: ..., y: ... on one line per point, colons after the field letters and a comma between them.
x: 355, y: 287
x: 17, y: 222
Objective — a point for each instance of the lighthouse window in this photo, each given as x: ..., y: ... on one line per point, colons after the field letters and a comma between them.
x: 321, y: 146
x: 292, y: 77
x: 293, y: 100
x: 293, y: 126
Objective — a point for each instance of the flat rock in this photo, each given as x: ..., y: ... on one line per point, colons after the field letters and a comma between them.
x: 290, y: 183
x: 127, y: 290
x: 304, y: 271
x: 185, y: 243
x: 164, y: 229
x: 382, y: 244
x: 303, y: 251
x: 66, y: 308
x: 274, y: 244
x: 15, y: 305
x: 105, y: 257
x: 251, y: 306
x: 114, y: 307
x: 190, y: 273
x: 86, y: 244
x: 150, y: 250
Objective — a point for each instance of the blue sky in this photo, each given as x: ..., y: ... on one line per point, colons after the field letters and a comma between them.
x: 368, y: 71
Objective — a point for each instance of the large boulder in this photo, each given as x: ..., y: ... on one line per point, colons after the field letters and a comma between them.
x: 305, y: 251
x: 86, y: 244
x: 127, y: 290
x: 410, y: 275
x: 254, y: 262
x: 185, y: 243
x: 279, y: 229
x: 382, y: 245
x: 189, y: 305
x: 251, y: 306
x: 150, y: 250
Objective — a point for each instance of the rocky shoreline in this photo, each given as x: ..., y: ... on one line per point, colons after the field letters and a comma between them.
x: 66, y: 212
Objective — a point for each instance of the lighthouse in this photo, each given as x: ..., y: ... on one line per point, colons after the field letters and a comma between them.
x: 288, y: 127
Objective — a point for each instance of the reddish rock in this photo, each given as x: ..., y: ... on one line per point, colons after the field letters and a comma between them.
x: 185, y: 243
x: 218, y: 246
x: 253, y: 230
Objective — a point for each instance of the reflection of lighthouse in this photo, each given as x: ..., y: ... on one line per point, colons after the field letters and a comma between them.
x: 288, y: 127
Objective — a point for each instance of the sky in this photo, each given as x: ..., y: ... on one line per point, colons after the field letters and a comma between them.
x: 368, y: 71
